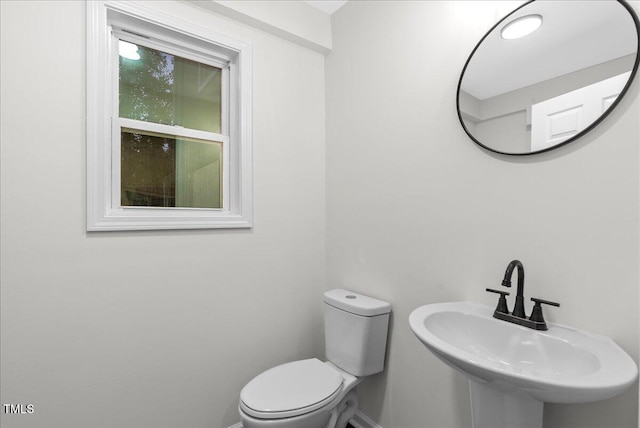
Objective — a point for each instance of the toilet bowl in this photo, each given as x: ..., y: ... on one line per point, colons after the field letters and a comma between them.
x: 315, y: 394
x: 301, y: 394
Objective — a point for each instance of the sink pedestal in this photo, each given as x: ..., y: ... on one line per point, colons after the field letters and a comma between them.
x: 492, y: 408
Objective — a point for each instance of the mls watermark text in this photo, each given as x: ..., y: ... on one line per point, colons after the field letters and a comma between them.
x: 18, y: 409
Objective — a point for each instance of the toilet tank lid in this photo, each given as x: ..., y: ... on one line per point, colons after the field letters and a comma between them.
x: 356, y: 303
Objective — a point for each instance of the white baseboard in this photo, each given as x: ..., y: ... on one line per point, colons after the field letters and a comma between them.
x: 359, y: 420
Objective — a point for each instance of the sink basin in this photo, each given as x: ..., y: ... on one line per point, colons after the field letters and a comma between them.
x: 561, y: 365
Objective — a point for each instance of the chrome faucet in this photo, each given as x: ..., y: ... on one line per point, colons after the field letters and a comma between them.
x: 536, y: 320
x: 518, y: 309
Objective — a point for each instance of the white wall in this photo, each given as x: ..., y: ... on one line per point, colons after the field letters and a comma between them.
x: 417, y: 213
x: 295, y: 21
x: 149, y: 329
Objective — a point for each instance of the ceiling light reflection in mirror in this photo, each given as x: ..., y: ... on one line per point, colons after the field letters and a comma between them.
x: 521, y: 27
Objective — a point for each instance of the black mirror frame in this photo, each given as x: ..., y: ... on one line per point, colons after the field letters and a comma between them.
x: 579, y: 134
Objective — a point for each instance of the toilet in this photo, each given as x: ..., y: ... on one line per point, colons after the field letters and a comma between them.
x: 315, y: 394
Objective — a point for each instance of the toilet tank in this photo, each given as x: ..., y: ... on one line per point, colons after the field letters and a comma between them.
x: 355, y: 328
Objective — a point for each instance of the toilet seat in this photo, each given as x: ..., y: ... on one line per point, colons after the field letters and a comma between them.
x: 291, y: 389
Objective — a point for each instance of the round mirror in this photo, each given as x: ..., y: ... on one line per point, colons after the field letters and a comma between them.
x: 548, y: 73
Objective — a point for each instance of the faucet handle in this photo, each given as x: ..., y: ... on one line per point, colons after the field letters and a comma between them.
x: 536, y: 313
x: 502, y: 302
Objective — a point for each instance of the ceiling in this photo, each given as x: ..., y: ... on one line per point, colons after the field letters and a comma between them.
x: 327, y: 6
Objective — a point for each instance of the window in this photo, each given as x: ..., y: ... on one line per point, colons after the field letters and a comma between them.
x: 180, y: 165
x: 168, y: 122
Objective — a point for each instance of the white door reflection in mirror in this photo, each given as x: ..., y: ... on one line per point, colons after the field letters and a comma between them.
x: 562, y: 117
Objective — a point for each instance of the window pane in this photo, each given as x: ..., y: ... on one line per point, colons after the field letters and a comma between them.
x: 165, y: 171
x: 162, y: 88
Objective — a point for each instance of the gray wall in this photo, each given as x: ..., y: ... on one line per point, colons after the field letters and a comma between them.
x: 418, y: 214
x: 149, y: 329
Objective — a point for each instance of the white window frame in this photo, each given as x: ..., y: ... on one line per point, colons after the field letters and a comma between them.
x: 106, y: 22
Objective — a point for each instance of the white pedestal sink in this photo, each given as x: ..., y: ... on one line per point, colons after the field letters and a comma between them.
x: 513, y: 370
